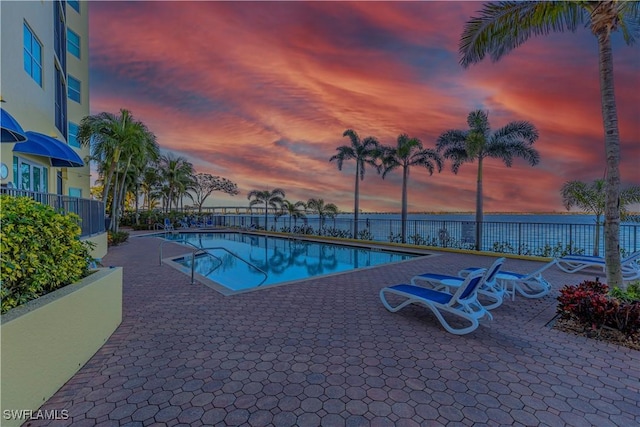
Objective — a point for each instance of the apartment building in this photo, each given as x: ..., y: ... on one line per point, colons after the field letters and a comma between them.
x: 44, y: 84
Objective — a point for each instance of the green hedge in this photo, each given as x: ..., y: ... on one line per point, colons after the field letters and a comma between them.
x: 40, y: 248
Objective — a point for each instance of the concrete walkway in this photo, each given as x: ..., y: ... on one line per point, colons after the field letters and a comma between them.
x: 325, y: 352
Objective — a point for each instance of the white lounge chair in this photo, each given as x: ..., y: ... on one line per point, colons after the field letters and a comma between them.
x: 574, y: 263
x: 168, y: 225
x: 462, y: 303
x: 490, y: 289
x: 531, y: 285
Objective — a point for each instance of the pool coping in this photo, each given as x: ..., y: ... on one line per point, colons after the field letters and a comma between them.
x: 222, y: 289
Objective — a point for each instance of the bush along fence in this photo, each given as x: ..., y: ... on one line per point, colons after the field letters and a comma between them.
x: 89, y: 213
x: 522, y: 238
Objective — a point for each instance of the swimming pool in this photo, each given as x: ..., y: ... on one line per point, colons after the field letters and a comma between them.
x: 243, y: 261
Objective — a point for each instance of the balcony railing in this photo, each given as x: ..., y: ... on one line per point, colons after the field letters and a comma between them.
x: 91, y: 212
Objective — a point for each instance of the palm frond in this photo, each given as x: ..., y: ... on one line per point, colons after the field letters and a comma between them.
x: 517, y: 131
x: 451, y: 138
x: 503, y: 26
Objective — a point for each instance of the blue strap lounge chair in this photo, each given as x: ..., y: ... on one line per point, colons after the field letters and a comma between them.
x: 462, y: 303
x: 574, y: 263
x: 531, y: 285
x: 168, y: 225
x: 491, y: 290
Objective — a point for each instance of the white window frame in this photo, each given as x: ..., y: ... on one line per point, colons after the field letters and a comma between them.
x: 72, y: 136
x: 34, y: 62
x: 70, y: 35
x: 43, y: 171
x: 70, y: 89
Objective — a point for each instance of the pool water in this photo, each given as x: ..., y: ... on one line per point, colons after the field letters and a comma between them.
x: 241, y: 261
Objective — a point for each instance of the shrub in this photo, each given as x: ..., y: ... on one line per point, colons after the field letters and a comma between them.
x: 114, y: 239
x: 632, y: 293
x: 40, y: 250
x: 589, y: 303
x: 365, y: 235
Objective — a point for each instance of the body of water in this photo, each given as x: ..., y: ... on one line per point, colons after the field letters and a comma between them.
x: 526, y: 234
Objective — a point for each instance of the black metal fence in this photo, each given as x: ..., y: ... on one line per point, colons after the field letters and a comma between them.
x: 523, y: 238
x: 91, y: 212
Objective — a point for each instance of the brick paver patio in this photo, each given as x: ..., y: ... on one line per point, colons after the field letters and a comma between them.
x: 325, y: 352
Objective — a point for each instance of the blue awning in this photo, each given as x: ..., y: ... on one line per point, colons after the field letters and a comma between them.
x: 38, y: 144
x: 11, y: 129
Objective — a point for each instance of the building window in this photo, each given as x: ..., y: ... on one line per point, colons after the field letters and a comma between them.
x: 60, y: 34
x: 74, y: 89
x: 73, y: 132
x: 61, y: 104
x: 32, y: 55
x: 31, y: 176
x: 75, y: 4
x: 73, y: 43
x: 75, y: 192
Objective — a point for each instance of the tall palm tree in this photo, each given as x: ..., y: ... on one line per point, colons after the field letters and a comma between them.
x: 177, y: 172
x: 477, y: 143
x: 408, y: 152
x: 323, y: 210
x: 272, y: 199
x: 503, y: 26
x: 294, y: 210
x: 116, y: 141
x: 592, y: 198
x: 150, y: 184
x: 364, y: 152
x: 137, y: 153
x: 105, y: 133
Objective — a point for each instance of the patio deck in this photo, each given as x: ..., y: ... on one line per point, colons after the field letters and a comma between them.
x: 326, y: 353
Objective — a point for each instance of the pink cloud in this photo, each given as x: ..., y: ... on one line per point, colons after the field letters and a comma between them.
x: 263, y: 98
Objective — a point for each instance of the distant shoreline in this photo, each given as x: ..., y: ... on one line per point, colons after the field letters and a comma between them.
x: 473, y: 213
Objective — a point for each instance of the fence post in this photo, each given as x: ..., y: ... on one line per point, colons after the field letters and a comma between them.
x: 570, y: 238
x: 519, y: 238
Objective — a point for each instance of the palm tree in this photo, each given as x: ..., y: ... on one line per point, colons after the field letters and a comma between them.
x: 150, y: 184
x: 272, y: 198
x: 323, y: 210
x: 477, y: 143
x: 592, y: 198
x: 177, y: 172
x: 294, y: 210
x: 116, y: 142
x: 137, y: 153
x: 408, y: 152
x: 503, y: 26
x: 364, y: 152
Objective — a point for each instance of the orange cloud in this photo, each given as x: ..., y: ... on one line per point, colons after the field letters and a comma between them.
x: 261, y: 93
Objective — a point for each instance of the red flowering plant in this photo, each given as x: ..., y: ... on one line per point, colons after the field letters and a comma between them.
x: 590, y: 304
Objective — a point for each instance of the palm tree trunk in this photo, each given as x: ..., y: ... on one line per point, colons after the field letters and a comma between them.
x: 479, y: 212
x: 612, y: 149
x: 110, y: 173
x: 137, y: 205
x: 114, y: 205
x: 405, y: 178
x: 121, y: 190
x: 596, y: 240
x: 266, y: 210
x: 356, y: 209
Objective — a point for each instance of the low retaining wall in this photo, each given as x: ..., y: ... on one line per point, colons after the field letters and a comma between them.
x: 46, y: 341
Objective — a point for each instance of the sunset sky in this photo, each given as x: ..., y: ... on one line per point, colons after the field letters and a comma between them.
x: 261, y: 93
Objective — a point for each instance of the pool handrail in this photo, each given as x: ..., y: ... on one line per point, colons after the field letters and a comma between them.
x: 198, y: 248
